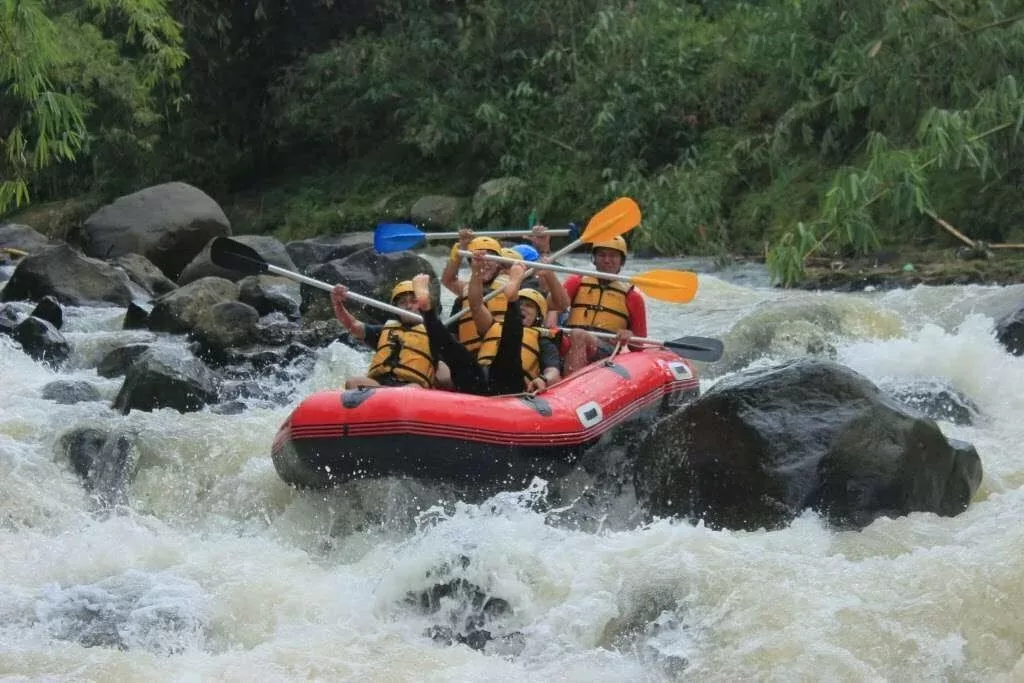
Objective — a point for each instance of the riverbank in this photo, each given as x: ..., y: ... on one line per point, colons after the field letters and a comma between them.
x: 896, y: 269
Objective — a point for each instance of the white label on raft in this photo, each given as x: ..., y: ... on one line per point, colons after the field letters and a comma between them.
x: 680, y: 370
x: 589, y: 414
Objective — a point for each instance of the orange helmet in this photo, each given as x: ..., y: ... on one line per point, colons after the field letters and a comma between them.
x: 403, y: 287
x: 616, y: 243
x: 486, y: 244
x: 539, y: 300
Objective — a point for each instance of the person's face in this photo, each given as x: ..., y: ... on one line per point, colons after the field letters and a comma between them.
x: 607, y: 260
x: 489, y: 270
x: 406, y: 301
x: 529, y: 312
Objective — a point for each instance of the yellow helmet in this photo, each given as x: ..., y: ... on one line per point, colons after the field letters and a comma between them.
x: 511, y: 253
x: 616, y: 243
x: 539, y: 300
x: 486, y: 244
x: 403, y: 287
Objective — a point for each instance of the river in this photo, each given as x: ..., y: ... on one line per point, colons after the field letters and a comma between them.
x: 216, y: 570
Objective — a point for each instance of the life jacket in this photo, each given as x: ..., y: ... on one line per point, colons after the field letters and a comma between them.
x: 467, y: 333
x: 600, y: 305
x: 405, y: 353
x: 529, y: 353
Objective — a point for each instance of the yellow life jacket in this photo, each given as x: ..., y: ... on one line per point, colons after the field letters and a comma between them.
x: 600, y: 305
x: 468, y: 335
x: 405, y: 353
x: 529, y: 353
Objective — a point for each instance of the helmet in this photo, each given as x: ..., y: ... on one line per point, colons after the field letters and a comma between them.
x: 485, y: 243
x: 512, y: 254
x: 616, y: 243
x: 537, y: 298
x: 526, y: 251
x: 403, y: 287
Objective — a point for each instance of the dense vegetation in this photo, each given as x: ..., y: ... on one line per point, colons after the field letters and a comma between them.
x: 813, y: 126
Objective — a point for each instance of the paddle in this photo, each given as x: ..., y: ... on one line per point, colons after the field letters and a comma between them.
x: 616, y: 219
x: 227, y: 253
x: 678, y: 286
x: 391, y: 237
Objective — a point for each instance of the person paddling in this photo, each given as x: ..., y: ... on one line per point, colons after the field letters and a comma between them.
x: 602, y: 306
x: 514, y: 354
x: 403, y: 352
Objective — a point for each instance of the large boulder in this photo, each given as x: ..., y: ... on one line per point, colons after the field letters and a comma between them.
x: 24, y: 238
x: 69, y: 277
x: 69, y: 392
x: 492, y: 197
x: 759, y: 447
x: 42, y: 341
x: 225, y: 325
x: 168, y: 224
x: 164, y: 377
x: 368, y: 273
x: 270, y: 248
x: 436, y: 210
x: 269, y: 294
x: 179, y: 311
x: 317, y: 250
x: 142, y: 272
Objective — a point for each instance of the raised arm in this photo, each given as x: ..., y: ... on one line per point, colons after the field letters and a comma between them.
x: 355, y: 328
x: 450, y: 276
x: 481, y: 314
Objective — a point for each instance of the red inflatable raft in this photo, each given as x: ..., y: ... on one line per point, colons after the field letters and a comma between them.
x: 488, y: 441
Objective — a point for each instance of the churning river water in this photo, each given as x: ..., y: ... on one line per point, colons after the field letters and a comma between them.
x: 217, y: 570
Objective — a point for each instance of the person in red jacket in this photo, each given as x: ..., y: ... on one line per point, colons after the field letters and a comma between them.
x: 600, y: 305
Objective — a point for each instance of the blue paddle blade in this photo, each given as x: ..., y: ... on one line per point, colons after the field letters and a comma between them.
x: 574, y: 232
x: 391, y: 237
x: 527, y: 252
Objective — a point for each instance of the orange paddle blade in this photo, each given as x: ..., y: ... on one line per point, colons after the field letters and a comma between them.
x: 678, y: 286
x: 616, y: 219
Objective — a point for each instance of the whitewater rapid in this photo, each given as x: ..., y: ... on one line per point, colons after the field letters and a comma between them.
x: 216, y: 570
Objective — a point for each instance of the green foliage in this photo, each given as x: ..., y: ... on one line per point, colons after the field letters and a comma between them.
x: 823, y: 127
x: 79, y: 80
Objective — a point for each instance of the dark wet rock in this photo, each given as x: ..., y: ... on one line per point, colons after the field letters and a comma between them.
x: 164, y: 378
x: 24, y: 238
x: 256, y: 360
x: 275, y: 330
x: 936, y: 399
x: 368, y: 273
x: 225, y: 325
x: 106, y: 461
x: 180, y: 310
x: 318, y: 333
x: 168, y: 224
x: 136, y: 316
x: 117, y: 361
x: 270, y: 248
x: 68, y: 392
x: 145, y: 274
x: 436, y: 210
x: 49, y: 310
x: 268, y: 294
x: 42, y: 341
x: 10, y: 315
x: 68, y: 276
x: 1010, y: 332
x: 135, y: 611
x: 229, y: 408
x: 760, y: 447
x: 466, y: 608
x: 317, y: 250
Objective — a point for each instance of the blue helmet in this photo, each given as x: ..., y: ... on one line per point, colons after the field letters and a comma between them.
x: 527, y: 252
